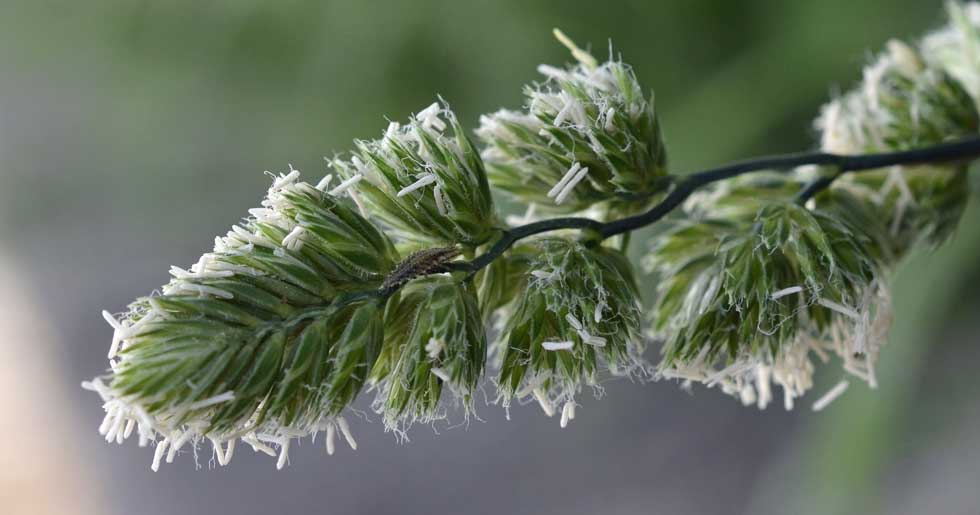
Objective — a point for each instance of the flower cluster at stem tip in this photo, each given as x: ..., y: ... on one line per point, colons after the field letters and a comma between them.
x: 337, y: 287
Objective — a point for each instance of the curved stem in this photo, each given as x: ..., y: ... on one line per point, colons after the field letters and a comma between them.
x: 684, y: 186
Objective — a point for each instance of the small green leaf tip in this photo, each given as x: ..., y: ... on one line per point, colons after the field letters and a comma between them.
x: 578, y: 316
x: 434, y: 340
x: 742, y: 304
x: 587, y: 135
x: 424, y: 180
x: 264, y: 339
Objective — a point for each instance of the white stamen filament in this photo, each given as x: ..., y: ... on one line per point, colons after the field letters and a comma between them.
x: 434, y: 347
x: 430, y: 117
x: 557, y: 188
x: 571, y: 185
x: 345, y: 430
x: 542, y: 398
x: 283, y: 453
x: 211, y: 401
x: 331, y: 437
x: 840, y: 308
x: 567, y: 413
x: 778, y: 294
x: 292, y: 240
x: 830, y: 396
x: 440, y: 201
x: 285, y: 180
x: 230, y: 451
x: 324, y: 182
x: 574, y: 322
x: 258, y: 446
x: 201, y: 289
x: 541, y: 274
x: 158, y: 454
x: 422, y: 182
x: 116, y: 334
x: 441, y: 374
x: 344, y: 186
x: 392, y: 129
x: 552, y: 345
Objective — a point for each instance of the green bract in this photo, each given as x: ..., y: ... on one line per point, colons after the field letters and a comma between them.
x: 588, y: 135
x: 579, y: 314
x: 426, y: 184
x: 434, y: 339
x: 743, y: 301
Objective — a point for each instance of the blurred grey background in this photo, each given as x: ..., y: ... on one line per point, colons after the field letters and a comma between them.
x: 132, y: 132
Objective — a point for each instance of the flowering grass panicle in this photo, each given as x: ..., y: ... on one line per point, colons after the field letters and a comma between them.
x: 271, y: 336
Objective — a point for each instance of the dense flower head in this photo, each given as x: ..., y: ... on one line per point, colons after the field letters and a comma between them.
x: 262, y: 340
x: 424, y: 179
x: 904, y: 102
x: 588, y: 135
x: 578, y: 316
x: 434, y: 340
x: 743, y: 301
x: 956, y: 47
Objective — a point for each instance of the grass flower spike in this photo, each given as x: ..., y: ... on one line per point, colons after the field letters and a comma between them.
x: 395, y: 278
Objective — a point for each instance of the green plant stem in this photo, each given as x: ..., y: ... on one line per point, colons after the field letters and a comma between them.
x: 684, y: 186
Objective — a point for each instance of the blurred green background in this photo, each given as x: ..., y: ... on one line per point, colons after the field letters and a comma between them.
x: 133, y: 132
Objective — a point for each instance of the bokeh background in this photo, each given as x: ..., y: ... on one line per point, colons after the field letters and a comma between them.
x: 132, y: 132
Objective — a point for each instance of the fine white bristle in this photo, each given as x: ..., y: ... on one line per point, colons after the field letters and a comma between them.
x: 830, y: 396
